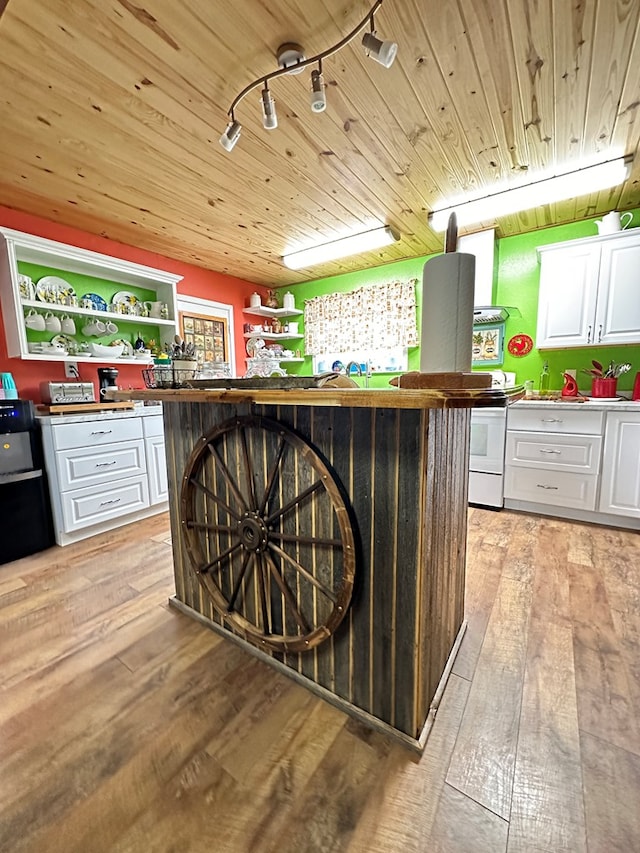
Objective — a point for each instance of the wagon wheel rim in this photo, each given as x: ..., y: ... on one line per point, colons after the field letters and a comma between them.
x: 268, y: 533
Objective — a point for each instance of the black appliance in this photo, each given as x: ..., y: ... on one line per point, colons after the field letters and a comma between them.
x: 107, y: 378
x: 26, y: 526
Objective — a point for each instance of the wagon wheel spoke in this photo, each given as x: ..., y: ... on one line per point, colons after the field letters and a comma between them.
x: 218, y: 501
x: 288, y: 595
x: 304, y: 540
x: 272, y: 477
x: 301, y: 569
x: 295, y: 501
x: 219, y: 559
x: 260, y: 571
x: 248, y: 468
x: 214, y: 528
x: 228, y: 478
x: 240, y: 578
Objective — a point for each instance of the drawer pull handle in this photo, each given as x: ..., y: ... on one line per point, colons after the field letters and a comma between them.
x: 102, y: 432
x: 107, y: 503
x: 551, y: 420
x: 544, y: 450
x: 540, y: 486
x: 105, y: 464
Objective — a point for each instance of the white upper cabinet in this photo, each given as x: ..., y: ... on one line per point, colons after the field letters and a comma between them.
x: 590, y: 292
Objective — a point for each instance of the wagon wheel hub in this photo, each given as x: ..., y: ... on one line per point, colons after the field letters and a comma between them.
x: 253, y: 532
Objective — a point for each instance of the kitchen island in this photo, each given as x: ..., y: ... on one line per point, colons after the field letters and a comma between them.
x: 324, y: 530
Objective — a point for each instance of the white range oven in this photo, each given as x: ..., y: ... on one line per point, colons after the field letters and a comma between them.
x: 486, y: 451
x: 486, y: 456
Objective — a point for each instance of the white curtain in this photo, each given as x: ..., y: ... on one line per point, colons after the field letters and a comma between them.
x: 378, y: 316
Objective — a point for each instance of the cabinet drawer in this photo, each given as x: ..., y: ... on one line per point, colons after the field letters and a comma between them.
x: 152, y: 425
x: 90, y: 433
x: 549, y: 419
x: 93, y: 504
x: 555, y: 488
x: 580, y: 453
x: 88, y: 466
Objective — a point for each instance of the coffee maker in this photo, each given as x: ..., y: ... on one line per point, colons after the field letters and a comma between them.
x: 107, y: 380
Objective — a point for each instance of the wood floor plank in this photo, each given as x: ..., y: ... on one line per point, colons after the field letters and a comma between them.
x: 484, y: 757
x: 463, y: 825
x: 611, y: 789
x: 606, y: 707
x: 547, y: 810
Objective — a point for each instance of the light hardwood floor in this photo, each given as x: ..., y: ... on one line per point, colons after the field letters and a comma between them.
x: 126, y: 726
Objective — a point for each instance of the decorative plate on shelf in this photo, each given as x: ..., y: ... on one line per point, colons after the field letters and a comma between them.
x: 253, y: 345
x: 124, y: 297
x: 70, y: 344
x: 51, y: 288
x: 520, y: 345
x: 98, y: 301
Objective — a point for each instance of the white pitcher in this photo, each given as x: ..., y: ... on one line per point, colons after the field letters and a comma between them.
x: 613, y: 222
x: 154, y: 308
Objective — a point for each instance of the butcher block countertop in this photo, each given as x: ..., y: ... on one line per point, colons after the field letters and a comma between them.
x: 374, y: 398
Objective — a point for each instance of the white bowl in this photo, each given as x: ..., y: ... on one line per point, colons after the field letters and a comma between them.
x: 103, y: 351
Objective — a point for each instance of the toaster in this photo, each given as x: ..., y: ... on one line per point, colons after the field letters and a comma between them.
x: 67, y: 392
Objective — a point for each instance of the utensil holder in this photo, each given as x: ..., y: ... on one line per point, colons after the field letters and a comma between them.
x: 604, y: 387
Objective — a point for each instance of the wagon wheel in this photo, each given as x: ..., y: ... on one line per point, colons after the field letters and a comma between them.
x: 268, y: 533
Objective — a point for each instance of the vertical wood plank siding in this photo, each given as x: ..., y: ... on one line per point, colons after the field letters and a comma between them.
x: 404, y: 472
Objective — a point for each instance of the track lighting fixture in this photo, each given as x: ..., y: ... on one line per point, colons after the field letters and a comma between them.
x: 318, y: 98
x: 231, y: 134
x: 269, y: 117
x: 383, y: 52
x: 291, y: 60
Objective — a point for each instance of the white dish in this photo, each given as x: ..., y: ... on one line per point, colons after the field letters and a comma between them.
x: 54, y: 287
x: 604, y: 399
x: 124, y: 297
x: 105, y: 352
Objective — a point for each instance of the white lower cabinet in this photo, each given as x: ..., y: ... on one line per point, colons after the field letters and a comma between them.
x: 156, y: 460
x: 103, y: 471
x: 577, y: 462
x: 620, y: 492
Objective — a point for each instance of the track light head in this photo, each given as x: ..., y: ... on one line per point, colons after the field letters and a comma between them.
x: 318, y: 97
x: 383, y: 52
x: 231, y: 135
x: 269, y: 117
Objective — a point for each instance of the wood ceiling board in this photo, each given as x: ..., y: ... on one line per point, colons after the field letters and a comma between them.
x: 163, y: 76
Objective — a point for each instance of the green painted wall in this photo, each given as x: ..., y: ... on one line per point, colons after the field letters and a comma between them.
x: 516, y: 286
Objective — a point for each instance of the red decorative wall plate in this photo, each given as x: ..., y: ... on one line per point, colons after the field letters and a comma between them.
x: 520, y: 345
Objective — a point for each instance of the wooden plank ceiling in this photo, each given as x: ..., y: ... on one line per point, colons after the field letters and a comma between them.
x: 111, y: 114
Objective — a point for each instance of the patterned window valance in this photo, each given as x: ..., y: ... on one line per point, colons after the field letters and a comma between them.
x: 379, y: 316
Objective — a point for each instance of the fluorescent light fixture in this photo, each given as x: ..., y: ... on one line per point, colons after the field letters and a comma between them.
x: 352, y: 245
x: 524, y: 197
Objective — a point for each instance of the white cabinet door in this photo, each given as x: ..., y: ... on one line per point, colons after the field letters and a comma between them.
x: 620, y: 492
x: 618, y: 308
x: 157, y: 470
x: 568, y: 293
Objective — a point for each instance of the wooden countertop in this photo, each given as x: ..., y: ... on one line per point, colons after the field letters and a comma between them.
x: 432, y: 398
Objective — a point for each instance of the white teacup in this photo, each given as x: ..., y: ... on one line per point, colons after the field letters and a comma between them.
x: 94, y: 327
x: 33, y: 320
x: 67, y: 324
x: 110, y: 327
x: 52, y: 323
